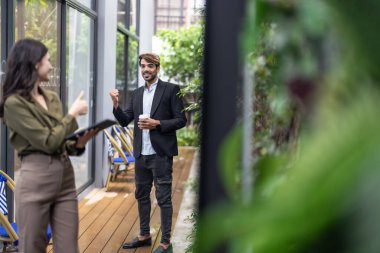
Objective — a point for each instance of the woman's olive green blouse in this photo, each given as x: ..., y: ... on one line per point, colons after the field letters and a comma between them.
x: 33, y: 129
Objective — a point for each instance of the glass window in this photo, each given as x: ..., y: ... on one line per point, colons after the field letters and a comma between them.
x: 133, y: 15
x: 120, y: 67
x: 80, y: 76
x: 39, y: 20
x: 127, y: 14
x: 125, y: 86
x: 121, y: 14
x: 87, y: 3
x: 132, y: 64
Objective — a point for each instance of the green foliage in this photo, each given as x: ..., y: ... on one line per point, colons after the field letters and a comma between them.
x: 317, y: 189
x: 182, y: 62
x: 38, y: 20
x: 193, y: 218
x: 132, y: 60
x: 315, y: 186
x: 120, y: 61
x: 229, y: 161
x: 274, y: 111
x: 182, y: 54
x: 187, y: 136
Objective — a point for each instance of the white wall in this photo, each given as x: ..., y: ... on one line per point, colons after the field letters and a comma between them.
x: 146, y: 29
x: 106, y: 70
x: 106, y: 79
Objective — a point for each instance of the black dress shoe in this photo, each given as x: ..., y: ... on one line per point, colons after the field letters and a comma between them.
x: 135, y: 243
x: 161, y: 249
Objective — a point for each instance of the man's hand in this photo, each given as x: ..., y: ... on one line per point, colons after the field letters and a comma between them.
x: 115, y: 97
x: 148, y: 123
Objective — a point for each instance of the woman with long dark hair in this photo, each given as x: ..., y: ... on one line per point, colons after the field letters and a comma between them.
x: 45, y: 191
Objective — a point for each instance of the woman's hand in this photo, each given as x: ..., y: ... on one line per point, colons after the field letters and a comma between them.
x: 82, y: 140
x: 79, y: 107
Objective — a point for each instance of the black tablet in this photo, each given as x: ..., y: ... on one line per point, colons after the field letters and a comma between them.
x: 100, y: 125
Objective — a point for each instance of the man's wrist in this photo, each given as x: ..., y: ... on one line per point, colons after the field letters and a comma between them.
x: 158, y: 125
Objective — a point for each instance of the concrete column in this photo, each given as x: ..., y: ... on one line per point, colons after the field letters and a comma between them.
x: 106, y: 79
x: 146, y: 29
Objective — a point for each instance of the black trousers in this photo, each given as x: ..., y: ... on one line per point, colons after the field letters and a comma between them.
x: 157, y: 169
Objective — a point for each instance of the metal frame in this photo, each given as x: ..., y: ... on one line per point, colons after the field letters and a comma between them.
x: 127, y: 32
x: 62, y: 51
x: 93, y: 99
x: 138, y: 3
x: 155, y: 15
x: 128, y: 16
x: 81, y: 8
x: 7, y: 31
x: 219, y: 108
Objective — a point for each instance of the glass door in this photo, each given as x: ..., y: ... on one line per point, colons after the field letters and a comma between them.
x: 80, y: 76
x: 40, y: 20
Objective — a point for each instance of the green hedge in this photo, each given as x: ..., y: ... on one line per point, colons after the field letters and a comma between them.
x: 187, y: 136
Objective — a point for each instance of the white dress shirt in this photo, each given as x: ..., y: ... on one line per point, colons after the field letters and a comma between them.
x: 147, y: 148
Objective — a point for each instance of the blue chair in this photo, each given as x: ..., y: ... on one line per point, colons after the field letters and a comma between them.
x: 8, y: 230
x: 129, y: 132
x: 116, y: 161
x: 120, y: 134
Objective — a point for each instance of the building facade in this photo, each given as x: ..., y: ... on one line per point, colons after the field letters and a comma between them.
x: 172, y: 14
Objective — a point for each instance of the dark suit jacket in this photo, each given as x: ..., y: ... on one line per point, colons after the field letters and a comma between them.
x: 167, y: 107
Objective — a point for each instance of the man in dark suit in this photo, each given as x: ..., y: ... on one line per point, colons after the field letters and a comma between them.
x: 157, y: 111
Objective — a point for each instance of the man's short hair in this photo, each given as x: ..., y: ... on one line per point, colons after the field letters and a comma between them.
x: 151, y: 58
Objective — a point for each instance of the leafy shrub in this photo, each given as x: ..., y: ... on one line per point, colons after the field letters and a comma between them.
x: 187, y: 137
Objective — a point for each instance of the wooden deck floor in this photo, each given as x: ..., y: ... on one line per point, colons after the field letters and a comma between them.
x: 108, y: 219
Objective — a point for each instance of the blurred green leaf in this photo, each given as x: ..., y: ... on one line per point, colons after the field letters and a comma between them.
x: 229, y: 160
x: 319, y: 188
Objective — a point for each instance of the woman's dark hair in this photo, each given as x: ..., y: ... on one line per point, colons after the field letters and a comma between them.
x: 21, y: 73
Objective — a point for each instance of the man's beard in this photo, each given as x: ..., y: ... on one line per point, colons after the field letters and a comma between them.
x: 151, y: 78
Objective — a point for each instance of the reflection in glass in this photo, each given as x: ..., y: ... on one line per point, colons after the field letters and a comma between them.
x: 39, y: 20
x: 133, y: 15
x: 120, y: 67
x: 121, y: 15
x: 132, y: 63
x: 80, y: 71
x: 87, y: 3
x: 128, y: 22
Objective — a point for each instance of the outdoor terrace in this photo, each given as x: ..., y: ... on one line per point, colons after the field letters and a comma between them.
x: 109, y: 219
